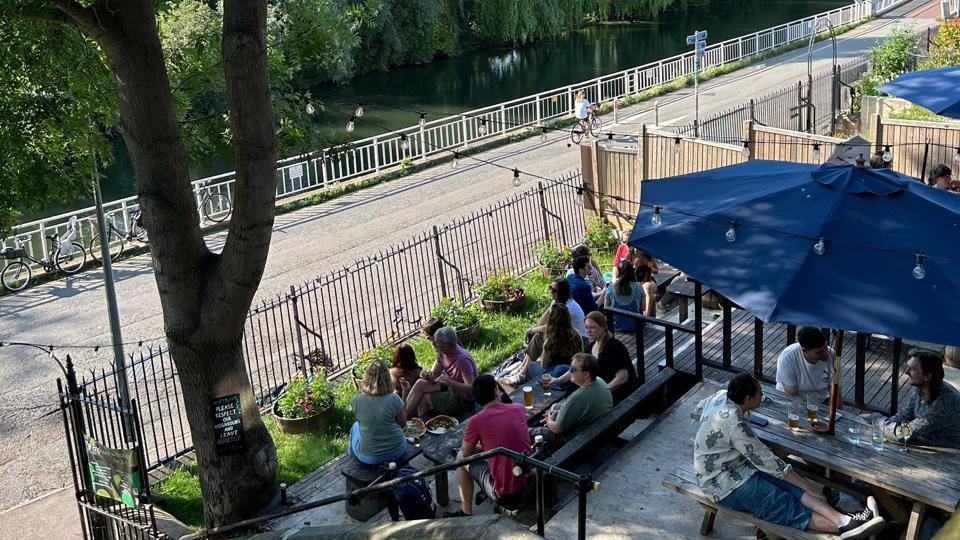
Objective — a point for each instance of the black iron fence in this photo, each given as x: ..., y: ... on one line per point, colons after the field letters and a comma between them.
x: 379, y: 299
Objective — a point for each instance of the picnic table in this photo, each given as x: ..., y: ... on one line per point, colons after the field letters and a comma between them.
x: 926, y: 477
x: 684, y: 290
x: 443, y: 448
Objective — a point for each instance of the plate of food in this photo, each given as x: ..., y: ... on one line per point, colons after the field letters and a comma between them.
x: 414, y: 429
x: 438, y: 425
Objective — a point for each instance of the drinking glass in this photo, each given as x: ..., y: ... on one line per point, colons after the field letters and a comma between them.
x: 853, y: 435
x: 528, y: 397
x: 813, y: 409
x: 547, y: 382
x: 793, y: 418
x: 876, y: 436
x: 904, y: 431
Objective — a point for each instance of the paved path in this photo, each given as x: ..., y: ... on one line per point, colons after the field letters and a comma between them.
x: 306, y: 243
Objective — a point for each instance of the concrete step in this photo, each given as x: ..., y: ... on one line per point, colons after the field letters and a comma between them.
x: 488, y: 527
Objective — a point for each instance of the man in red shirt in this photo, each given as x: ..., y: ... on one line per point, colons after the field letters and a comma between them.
x: 497, y: 425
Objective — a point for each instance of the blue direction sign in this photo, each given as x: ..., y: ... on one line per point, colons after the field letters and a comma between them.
x: 691, y: 39
x: 702, y: 35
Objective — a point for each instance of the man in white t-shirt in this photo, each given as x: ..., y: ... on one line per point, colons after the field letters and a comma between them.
x: 805, y: 368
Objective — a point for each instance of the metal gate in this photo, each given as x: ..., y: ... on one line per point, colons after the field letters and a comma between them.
x: 104, y: 443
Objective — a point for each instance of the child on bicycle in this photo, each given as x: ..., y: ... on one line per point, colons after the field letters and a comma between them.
x: 583, y: 110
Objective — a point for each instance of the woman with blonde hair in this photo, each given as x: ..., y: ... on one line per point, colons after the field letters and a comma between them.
x: 377, y: 435
x: 582, y: 110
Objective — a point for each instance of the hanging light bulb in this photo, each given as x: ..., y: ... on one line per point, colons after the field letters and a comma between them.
x: 610, y: 136
x: 359, y: 111
x: 918, y: 270
x: 543, y: 133
x: 819, y: 247
x: 656, y: 220
x: 456, y: 159
x: 403, y: 141
x: 350, y: 125
x: 746, y: 149
x: 886, y: 154
x: 423, y: 119
x: 309, y: 108
x: 482, y: 129
x: 676, y: 146
x: 956, y: 157
x: 816, y: 152
x: 731, y: 234
x: 516, y: 178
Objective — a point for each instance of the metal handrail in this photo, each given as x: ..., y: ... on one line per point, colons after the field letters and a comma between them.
x: 583, y: 482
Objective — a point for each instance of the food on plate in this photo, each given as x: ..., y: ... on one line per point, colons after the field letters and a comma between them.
x: 414, y: 428
x: 441, y: 423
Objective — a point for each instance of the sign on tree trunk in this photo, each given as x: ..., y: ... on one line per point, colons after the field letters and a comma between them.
x: 228, y: 424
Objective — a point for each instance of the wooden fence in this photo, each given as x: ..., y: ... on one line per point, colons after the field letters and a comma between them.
x: 917, y: 146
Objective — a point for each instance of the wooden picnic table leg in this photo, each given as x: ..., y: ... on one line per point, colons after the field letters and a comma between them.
x: 896, y: 511
x: 709, y: 515
x: 916, y: 518
x: 443, y: 494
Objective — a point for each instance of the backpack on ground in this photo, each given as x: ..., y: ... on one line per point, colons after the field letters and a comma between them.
x: 414, y: 498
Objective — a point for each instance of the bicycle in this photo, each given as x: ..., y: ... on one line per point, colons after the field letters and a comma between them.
x: 117, y: 237
x: 592, y: 124
x: 215, y: 206
x: 66, y: 256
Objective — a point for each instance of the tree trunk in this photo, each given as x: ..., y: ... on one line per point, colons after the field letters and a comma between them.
x: 204, y: 296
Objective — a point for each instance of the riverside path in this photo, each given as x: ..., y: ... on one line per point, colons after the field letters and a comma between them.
x: 312, y: 241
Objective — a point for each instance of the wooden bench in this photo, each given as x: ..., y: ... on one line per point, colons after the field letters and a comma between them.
x: 684, y: 482
x: 360, y: 475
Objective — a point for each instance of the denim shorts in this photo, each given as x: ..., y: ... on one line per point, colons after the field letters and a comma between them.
x: 770, y: 499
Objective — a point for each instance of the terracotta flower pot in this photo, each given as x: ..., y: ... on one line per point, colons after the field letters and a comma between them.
x: 548, y: 272
x: 469, y: 334
x: 301, y: 425
x: 502, y: 306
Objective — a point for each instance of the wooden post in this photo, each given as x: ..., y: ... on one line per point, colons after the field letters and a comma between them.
x: 757, y: 347
x: 860, y: 369
x: 748, y: 135
x: 601, y: 185
x: 876, y: 132
x: 590, y: 183
x: 895, y: 377
x: 698, y: 326
x: 727, y: 333
x: 791, y: 334
x: 643, y: 154
x: 835, y: 383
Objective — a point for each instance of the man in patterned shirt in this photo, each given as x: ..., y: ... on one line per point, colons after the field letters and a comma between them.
x: 735, y: 469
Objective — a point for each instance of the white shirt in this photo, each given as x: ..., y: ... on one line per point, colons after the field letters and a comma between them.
x: 583, y: 108
x: 793, y: 369
x: 576, y: 316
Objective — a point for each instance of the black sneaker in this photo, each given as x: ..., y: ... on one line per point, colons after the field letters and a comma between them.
x: 458, y: 513
x: 864, y: 523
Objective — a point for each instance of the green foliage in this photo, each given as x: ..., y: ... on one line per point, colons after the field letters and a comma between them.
x: 500, y: 286
x: 600, y: 234
x: 305, y: 396
x: 888, y: 59
x: 552, y: 257
x: 945, y: 46
x: 383, y: 352
x: 181, y: 495
x: 411, y: 32
x: 916, y: 112
x: 452, y: 312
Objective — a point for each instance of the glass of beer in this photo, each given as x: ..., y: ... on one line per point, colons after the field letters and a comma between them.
x: 528, y: 397
x: 813, y: 409
x: 547, y: 381
x: 793, y: 419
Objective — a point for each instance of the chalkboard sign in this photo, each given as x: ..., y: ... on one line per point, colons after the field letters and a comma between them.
x: 228, y: 425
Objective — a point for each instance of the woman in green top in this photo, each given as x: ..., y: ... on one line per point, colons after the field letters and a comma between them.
x: 377, y: 435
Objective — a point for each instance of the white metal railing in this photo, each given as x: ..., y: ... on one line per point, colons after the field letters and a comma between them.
x: 332, y: 165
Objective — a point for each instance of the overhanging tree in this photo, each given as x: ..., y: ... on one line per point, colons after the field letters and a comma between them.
x: 204, y: 296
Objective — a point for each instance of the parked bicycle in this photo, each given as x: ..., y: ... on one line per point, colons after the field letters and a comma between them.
x: 214, y: 206
x: 66, y: 255
x: 591, y: 125
x: 118, y: 237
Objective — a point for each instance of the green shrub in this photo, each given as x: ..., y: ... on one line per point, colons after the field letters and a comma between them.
x: 380, y: 352
x: 600, y: 234
x: 452, y: 312
x: 305, y: 395
x: 889, y: 58
x: 945, y: 46
x: 500, y: 286
x: 552, y: 257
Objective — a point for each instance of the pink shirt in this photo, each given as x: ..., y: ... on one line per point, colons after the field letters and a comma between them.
x: 456, y: 365
x: 620, y: 254
x: 501, y: 425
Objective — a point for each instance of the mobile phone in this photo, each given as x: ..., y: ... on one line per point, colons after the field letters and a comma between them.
x: 759, y: 420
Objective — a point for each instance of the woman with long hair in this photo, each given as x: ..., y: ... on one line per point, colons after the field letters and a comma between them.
x: 616, y: 367
x: 377, y: 435
x: 549, y: 351
x: 631, y: 294
x: 404, y: 367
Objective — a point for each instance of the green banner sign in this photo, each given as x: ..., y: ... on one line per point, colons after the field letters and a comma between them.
x: 114, y: 472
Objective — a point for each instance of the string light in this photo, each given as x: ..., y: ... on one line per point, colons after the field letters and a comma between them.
x: 746, y: 149
x: 676, y: 146
x: 482, y: 129
x: 816, y: 152
x: 819, y: 247
x: 404, y: 144
x: 350, y: 125
x: 359, y: 111
x: 731, y: 234
x: 309, y: 108
x: 918, y: 270
x: 423, y: 119
x: 610, y: 136
x: 656, y: 220
x: 516, y: 178
x: 456, y: 159
x: 887, y: 158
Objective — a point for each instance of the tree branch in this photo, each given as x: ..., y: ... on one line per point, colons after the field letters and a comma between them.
x: 39, y: 13
x: 84, y: 17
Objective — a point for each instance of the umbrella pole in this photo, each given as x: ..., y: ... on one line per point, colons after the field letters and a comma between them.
x: 835, y: 383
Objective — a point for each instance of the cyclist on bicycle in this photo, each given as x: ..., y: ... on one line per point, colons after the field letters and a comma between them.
x: 584, y: 109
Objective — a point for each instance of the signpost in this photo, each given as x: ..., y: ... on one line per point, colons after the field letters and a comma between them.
x: 699, y: 41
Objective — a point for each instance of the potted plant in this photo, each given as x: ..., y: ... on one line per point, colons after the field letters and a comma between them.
x: 381, y: 352
x: 465, y: 319
x: 599, y: 235
x: 305, y: 405
x: 501, y: 291
x: 553, y: 261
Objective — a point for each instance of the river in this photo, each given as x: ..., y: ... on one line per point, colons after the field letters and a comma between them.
x: 488, y: 76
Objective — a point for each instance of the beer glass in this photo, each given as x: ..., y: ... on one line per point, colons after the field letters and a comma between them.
x: 793, y: 419
x: 547, y: 382
x: 528, y: 397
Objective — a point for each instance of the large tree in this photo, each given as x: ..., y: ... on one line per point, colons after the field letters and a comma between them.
x: 204, y: 296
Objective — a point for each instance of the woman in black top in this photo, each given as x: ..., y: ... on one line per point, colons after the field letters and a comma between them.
x: 616, y: 367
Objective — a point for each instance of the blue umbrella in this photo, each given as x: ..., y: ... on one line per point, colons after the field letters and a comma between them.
x: 933, y: 89
x: 879, y: 231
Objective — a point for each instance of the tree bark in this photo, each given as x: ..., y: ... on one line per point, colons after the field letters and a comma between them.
x: 204, y: 296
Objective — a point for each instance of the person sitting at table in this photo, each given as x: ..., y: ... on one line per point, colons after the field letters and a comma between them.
x: 580, y: 288
x: 377, y: 435
x: 560, y: 291
x: 404, y: 367
x: 628, y: 294
x: 805, y: 368
x: 940, y: 176
x: 594, y: 277
x: 549, y: 351
x: 932, y: 408
x: 623, y: 250
x: 591, y: 401
x: 497, y: 425
x: 448, y: 387
x: 736, y: 469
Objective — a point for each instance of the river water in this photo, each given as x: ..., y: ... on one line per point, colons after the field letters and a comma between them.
x: 496, y: 75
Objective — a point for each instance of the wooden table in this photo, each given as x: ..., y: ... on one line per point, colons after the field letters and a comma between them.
x: 684, y: 290
x: 925, y: 477
x: 444, y: 448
